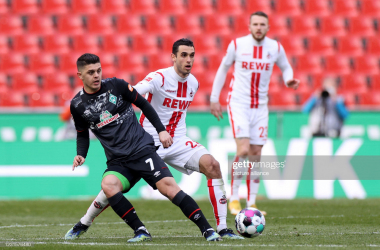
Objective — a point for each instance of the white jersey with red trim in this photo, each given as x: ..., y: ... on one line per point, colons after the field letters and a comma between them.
x: 170, y: 95
x: 254, y: 62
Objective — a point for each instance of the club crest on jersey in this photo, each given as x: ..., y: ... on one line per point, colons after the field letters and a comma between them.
x: 269, y: 55
x: 106, y: 118
x: 112, y: 99
x: 191, y: 93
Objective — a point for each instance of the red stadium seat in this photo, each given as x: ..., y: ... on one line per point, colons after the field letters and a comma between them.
x: 154, y: 25
x: 12, y: 63
x: 373, y: 46
x: 57, y: 43
x: 366, y: 64
x: 216, y: 24
x: 165, y: 42
x: 278, y: 26
x: 240, y: 25
x: 322, y: 45
x: 40, y: 25
x: 145, y: 44
x: 212, y: 61
x: 67, y: 63
x: 54, y: 7
x: 351, y: 46
x: 70, y: 24
x: 26, y: 44
x: 361, y: 26
x: 11, y: 25
x: 205, y: 44
x: 337, y: 64
x: 370, y: 98
x: 333, y: 26
x: 252, y: 6
x: 84, y: 7
x: 27, y: 83
x: 309, y: 64
x: 129, y: 25
x: 374, y: 81
x: 303, y: 25
x: 171, y: 7
x: 86, y: 44
x: 206, y: 78
x: 115, y: 44
x: 370, y: 8
x: 318, y: 8
x: 144, y: 7
x: 4, y: 7
x: 25, y: 6
x: 284, y: 99
x: 132, y: 62
x: 3, y: 45
x: 159, y: 61
x: 41, y: 99
x: 288, y: 7
x: 229, y: 7
x: 294, y: 45
x: 189, y: 24
x: 100, y: 24
x: 56, y: 82
x: 203, y: 7
x: 109, y: 66
x: 13, y: 99
x: 3, y: 85
x: 354, y: 83
x: 346, y: 8
x: 113, y: 7
x: 200, y: 99
x: 42, y: 63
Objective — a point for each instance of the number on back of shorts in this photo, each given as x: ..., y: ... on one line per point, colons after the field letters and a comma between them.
x: 150, y: 161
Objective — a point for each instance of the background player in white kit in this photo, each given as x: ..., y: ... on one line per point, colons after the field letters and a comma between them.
x: 254, y: 56
x: 170, y: 91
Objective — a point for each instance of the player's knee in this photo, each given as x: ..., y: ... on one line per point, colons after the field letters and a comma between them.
x: 211, y: 168
x: 168, y: 187
x: 111, y: 185
x: 243, y: 151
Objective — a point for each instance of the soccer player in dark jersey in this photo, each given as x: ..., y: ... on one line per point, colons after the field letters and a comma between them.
x: 105, y: 107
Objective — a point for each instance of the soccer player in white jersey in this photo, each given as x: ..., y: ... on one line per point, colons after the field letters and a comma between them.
x: 170, y: 91
x: 253, y: 56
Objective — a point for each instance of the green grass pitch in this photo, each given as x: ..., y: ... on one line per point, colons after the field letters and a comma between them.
x: 294, y: 224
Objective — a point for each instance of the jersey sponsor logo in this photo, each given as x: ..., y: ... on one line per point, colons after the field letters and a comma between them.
x: 175, y: 103
x: 156, y: 174
x: 98, y: 205
x: 112, y: 99
x: 255, y: 65
x: 106, y: 118
x: 171, y: 91
x: 130, y: 87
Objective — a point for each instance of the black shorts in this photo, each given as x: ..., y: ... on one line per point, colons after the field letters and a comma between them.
x: 147, y: 165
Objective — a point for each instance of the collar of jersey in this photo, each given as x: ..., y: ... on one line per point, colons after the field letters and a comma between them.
x: 94, y: 92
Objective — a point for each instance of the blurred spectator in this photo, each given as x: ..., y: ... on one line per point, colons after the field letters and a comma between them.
x: 327, y: 111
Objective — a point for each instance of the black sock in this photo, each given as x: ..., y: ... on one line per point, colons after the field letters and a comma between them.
x: 191, y: 210
x: 125, y: 210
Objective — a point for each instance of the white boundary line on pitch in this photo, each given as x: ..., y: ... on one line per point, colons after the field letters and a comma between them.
x: 194, y: 244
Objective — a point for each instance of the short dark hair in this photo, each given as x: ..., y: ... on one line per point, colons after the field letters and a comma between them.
x: 258, y: 13
x: 182, y: 41
x: 86, y: 59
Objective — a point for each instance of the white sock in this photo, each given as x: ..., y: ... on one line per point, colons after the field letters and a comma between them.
x: 252, y: 189
x: 97, y: 206
x: 236, y: 180
x: 217, y: 196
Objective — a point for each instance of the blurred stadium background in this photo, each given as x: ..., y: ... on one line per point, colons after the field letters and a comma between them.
x: 40, y: 41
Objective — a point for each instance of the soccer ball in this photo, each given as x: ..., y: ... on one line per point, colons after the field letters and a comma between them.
x: 250, y: 222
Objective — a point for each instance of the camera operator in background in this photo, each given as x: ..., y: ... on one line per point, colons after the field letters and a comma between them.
x: 327, y: 111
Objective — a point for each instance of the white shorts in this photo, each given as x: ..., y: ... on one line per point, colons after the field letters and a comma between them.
x: 180, y: 152
x: 249, y: 122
